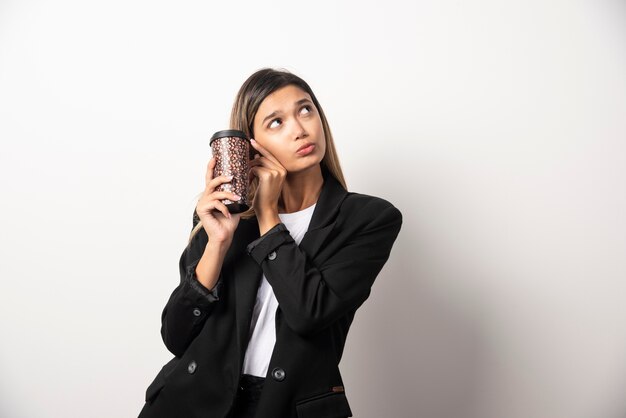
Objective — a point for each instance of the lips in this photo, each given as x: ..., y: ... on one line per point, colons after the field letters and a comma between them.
x: 306, y: 144
x: 306, y: 150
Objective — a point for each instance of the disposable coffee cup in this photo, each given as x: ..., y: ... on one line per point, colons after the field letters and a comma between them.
x: 231, y: 149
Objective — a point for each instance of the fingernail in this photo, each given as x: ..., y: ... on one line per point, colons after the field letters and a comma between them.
x: 237, y: 197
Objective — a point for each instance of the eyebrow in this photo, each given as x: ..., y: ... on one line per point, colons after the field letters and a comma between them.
x: 276, y: 112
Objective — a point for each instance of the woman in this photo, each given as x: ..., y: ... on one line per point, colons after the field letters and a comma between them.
x: 259, y: 320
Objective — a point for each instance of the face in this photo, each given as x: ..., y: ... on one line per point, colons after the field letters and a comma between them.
x: 286, y: 121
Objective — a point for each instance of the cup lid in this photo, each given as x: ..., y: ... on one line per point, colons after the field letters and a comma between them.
x: 228, y: 132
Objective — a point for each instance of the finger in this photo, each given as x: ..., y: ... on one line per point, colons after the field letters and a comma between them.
x: 255, y: 160
x: 266, y: 162
x: 260, y: 172
x: 254, y: 171
x: 212, y: 185
x: 224, y: 195
x: 250, y: 176
x: 220, y: 207
x: 209, y: 171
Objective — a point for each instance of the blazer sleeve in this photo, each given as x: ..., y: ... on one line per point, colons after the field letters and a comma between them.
x: 190, y: 303
x: 313, y: 297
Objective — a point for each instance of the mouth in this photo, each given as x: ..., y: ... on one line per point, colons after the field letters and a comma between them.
x: 305, y: 145
x: 305, y: 149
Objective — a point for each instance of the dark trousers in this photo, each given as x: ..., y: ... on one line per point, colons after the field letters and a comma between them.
x: 247, y: 398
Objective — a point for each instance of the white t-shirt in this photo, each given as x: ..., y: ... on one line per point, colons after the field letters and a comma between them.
x: 263, y: 326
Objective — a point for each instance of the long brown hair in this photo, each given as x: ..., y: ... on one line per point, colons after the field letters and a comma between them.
x: 250, y: 96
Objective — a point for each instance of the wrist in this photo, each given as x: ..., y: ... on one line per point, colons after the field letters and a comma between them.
x: 219, y: 246
x: 267, y: 223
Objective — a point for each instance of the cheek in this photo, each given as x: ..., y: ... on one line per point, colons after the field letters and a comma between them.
x: 323, y: 149
x: 281, y: 156
x: 322, y: 137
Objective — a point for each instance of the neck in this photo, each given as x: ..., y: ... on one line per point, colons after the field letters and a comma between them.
x: 301, y: 189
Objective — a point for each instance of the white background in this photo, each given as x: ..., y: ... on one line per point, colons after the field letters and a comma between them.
x: 498, y: 128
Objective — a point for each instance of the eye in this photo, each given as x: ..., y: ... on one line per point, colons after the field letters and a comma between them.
x: 271, y: 125
x: 308, y: 109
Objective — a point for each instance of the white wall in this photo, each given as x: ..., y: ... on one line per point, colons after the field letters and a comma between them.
x: 498, y: 129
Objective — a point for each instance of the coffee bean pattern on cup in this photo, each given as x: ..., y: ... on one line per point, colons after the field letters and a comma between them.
x: 231, y: 150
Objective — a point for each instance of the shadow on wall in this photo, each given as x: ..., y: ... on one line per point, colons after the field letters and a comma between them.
x: 425, y: 352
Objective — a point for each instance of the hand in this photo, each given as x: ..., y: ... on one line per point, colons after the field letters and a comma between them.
x: 271, y: 175
x: 218, y: 223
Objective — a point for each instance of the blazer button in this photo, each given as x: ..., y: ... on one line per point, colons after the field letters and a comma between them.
x: 197, y: 312
x: 272, y: 255
x: 192, y: 367
x: 278, y: 374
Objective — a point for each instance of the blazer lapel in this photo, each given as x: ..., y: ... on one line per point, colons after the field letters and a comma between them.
x: 324, y: 215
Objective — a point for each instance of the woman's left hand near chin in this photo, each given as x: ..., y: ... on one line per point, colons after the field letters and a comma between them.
x: 271, y: 175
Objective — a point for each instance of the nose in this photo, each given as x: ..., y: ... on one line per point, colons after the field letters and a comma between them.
x: 299, y: 130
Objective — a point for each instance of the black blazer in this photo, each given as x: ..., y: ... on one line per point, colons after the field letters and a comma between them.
x: 319, y: 285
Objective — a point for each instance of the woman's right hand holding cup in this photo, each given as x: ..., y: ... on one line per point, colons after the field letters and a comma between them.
x: 217, y: 221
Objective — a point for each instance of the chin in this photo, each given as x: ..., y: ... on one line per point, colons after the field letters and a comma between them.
x: 303, y: 168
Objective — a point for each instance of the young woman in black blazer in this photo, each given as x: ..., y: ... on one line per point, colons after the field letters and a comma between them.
x: 212, y: 317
